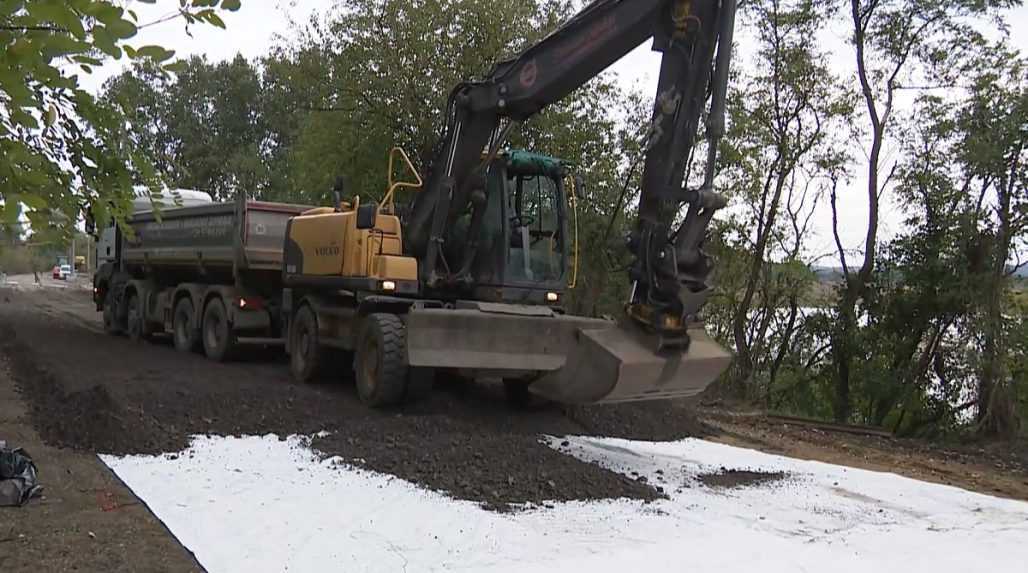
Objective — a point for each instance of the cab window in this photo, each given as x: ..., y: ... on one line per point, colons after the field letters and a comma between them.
x: 536, y: 245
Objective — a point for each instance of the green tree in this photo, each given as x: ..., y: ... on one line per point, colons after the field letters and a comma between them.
x: 62, y: 150
x: 203, y: 129
x: 938, y: 336
x: 908, y: 371
x: 387, y: 67
x: 781, y: 146
x: 993, y: 153
x: 895, y: 43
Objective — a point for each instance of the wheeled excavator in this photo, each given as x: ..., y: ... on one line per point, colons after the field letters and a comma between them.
x: 470, y: 277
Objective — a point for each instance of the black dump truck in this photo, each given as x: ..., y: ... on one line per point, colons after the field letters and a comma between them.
x: 210, y: 275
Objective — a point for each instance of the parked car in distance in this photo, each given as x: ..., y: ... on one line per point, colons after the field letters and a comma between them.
x: 64, y: 271
x: 57, y: 272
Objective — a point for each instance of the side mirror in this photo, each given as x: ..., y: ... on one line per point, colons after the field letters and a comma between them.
x: 366, y: 216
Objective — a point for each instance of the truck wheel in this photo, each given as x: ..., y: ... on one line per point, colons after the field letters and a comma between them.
x: 183, y: 329
x: 218, y: 340
x: 381, y: 363
x: 307, y: 358
x: 135, y: 321
x: 110, y: 316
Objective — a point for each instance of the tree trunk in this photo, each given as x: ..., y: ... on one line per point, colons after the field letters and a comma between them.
x: 997, y: 411
x: 842, y: 353
x: 856, y: 283
x: 783, y: 348
x: 997, y: 415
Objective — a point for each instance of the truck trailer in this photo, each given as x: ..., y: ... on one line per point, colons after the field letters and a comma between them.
x: 208, y: 274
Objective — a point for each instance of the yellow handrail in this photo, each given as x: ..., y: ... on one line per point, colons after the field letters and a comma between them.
x: 388, y: 199
x: 573, y: 200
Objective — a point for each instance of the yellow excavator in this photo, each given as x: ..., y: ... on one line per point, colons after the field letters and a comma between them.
x: 470, y: 275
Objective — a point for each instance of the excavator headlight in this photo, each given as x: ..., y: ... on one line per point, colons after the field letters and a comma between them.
x: 388, y: 285
x: 552, y: 297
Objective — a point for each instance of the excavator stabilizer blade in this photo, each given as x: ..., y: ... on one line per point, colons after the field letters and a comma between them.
x: 621, y: 364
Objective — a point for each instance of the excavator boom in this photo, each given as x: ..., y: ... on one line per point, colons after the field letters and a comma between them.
x: 661, y: 351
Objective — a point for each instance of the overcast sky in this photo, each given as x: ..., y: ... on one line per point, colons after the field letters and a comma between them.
x: 259, y: 24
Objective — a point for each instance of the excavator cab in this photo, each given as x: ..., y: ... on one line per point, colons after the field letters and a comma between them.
x: 535, y: 209
x: 512, y: 325
x: 525, y: 253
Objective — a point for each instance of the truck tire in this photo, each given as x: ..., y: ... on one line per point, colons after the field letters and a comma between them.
x: 135, y: 322
x: 307, y: 359
x: 110, y: 316
x: 380, y: 367
x: 183, y: 326
x: 218, y: 339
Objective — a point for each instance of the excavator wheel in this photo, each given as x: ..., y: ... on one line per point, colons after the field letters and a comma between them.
x: 307, y: 359
x: 381, y: 363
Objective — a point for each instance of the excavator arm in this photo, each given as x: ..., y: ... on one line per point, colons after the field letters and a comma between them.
x: 670, y: 271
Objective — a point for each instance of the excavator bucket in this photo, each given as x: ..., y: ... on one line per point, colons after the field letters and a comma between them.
x: 577, y: 360
x: 622, y: 364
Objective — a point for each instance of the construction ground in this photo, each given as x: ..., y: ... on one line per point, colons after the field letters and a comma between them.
x: 69, y: 393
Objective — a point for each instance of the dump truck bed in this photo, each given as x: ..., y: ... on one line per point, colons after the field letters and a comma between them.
x: 219, y: 235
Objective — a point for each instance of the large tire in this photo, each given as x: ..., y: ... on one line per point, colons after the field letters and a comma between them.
x: 110, y: 314
x: 307, y: 359
x: 183, y: 326
x: 135, y: 323
x: 218, y: 338
x: 380, y: 367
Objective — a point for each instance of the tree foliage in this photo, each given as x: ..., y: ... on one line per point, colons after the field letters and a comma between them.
x: 61, y: 149
x: 785, y: 112
x: 896, y: 45
x: 204, y: 128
